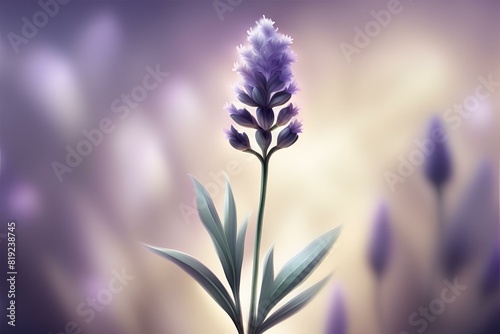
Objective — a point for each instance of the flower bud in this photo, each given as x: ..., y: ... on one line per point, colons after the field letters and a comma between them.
x: 242, y: 116
x: 286, y: 114
x: 263, y: 138
x: 265, y: 117
x: 259, y: 96
x: 238, y: 140
x: 289, y: 135
x: 244, y: 98
x: 279, y: 98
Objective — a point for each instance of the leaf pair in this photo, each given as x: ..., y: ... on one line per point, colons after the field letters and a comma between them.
x: 229, y: 245
x: 294, y: 273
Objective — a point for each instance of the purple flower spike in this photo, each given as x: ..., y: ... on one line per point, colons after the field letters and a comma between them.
x: 267, y: 81
x: 438, y: 166
x: 380, y: 244
x: 238, y: 140
x: 266, y: 62
x: 286, y: 114
x: 289, y: 135
x: 242, y: 116
x: 337, y: 319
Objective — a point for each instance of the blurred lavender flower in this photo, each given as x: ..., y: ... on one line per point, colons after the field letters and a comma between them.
x: 490, y: 282
x: 438, y: 166
x: 266, y: 82
x: 238, y: 140
x: 337, y: 321
x: 456, y: 248
x: 380, y: 244
x: 474, y: 224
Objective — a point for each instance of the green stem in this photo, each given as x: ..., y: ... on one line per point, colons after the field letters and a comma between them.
x: 258, y: 239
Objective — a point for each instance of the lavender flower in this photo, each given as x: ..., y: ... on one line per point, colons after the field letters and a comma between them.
x: 473, y: 223
x: 266, y: 82
x: 438, y: 167
x: 265, y: 65
x: 380, y: 245
x: 337, y: 321
x: 238, y: 140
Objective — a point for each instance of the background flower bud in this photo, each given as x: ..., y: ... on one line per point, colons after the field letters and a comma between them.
x: 337, y: 319
x: 380, y: 244
x: 244, y: 98
x: 438, y: 166
x: 490, y: 280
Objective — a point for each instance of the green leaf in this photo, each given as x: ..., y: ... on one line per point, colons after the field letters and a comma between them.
x: 267, y: 284
x: 211, y: 221
x: 230, y: 220
x: 299, y: 268
x: 240, y: 250
x: 203, y: 276
x: 293, y: 306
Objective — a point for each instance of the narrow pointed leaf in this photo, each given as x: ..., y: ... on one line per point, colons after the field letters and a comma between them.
x: 230, y: 221
x: 300, y: 267
x: 293, y: 306
x: 211, y: 221
x: 267, y: 284
x: 240, y: 250
x: 202, y: 275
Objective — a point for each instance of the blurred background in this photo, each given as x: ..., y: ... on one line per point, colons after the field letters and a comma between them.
x: 153, y: 77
